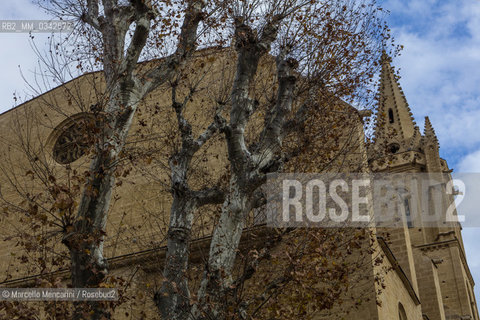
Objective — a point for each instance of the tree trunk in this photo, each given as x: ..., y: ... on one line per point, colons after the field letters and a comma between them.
x: 224, y: 245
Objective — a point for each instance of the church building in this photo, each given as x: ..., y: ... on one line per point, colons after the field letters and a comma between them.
x: 425, y: 271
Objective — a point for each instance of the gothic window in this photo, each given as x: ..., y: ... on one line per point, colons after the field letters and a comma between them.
x: 390, y: 115
x: 406, y: 204
x: 402, y: 315
x: 393, y: 148
x: 72, y: 138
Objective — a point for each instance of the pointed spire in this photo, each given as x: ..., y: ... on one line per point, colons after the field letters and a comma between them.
x: 394, y: 117
x: 429, y: 135
x: 416, y: 139
x: 429, y: 132
x: 431, y: 147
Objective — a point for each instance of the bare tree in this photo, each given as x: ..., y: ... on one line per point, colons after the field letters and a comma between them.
x: 332, y: 48
x: 315, y: 53
x: 108, y: 23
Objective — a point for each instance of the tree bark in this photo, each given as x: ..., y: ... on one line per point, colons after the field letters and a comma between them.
x: 247, y: 166
x: 125, y: 91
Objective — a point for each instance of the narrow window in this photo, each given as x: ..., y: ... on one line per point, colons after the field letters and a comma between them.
x: 406, y: 204
x: 402, y: 315
x: 390, y: 115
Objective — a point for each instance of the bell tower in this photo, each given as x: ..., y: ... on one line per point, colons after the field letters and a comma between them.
x: 395, y: 128
x: 432, y: 256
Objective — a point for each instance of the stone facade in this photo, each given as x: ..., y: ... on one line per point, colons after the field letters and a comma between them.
x: 424, y: 273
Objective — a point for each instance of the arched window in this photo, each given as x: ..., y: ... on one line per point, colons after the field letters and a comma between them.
x: 402, y: 315
x: 408, y: 214
x: 393, y: 148
x: 390, y: 115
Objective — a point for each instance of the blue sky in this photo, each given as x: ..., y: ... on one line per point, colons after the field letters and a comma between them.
x: 440, y: 74
x: 439, y: 68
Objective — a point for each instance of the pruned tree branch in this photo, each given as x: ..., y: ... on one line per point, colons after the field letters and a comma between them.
x: 91, y: 16
x: 185, y: 48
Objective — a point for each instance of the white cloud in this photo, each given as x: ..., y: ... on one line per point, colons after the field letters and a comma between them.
x: 438, y: 66
x: 470, y: 241
x: 20, y: 9
x: 440, y: 77
x: 19, y: 56
x: 17, y: 53
x: 470, y: 163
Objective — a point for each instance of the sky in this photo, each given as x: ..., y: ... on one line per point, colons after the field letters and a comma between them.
x: 440, y: 76
x: 439, y: 70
